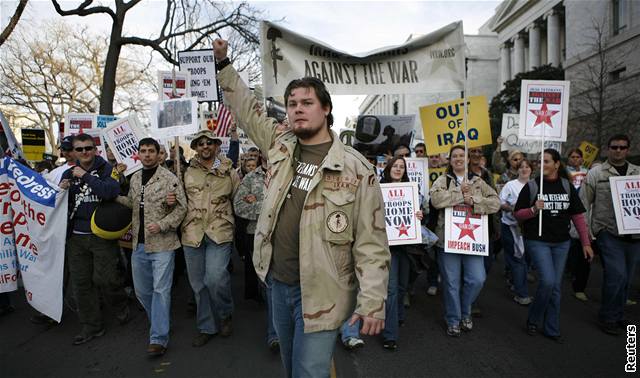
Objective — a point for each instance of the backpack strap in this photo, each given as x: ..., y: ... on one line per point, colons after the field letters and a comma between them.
x: 533, y: 189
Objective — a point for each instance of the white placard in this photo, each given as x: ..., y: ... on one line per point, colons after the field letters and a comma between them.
x: 123, y: 136
x: 165, y: 84
x: 173, y: 118
x: 625, y: 194
x: 464, y: 232
x: 418, y: 172
x: 77, y: 123
x: 511, y: 140
x: 401, y: 202
x: 544, y: 107
x: 202, y: 66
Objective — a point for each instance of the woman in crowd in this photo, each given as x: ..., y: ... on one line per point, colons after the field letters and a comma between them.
x: 512, y: 242
x: 452, y: 189
x: 559, y: 205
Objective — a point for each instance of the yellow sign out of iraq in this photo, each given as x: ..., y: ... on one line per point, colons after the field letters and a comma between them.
x: 443, y: 124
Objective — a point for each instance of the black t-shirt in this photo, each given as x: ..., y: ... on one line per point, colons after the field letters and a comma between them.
x: 559, y: 206
x: 146, y: 176
x: 622, y: 169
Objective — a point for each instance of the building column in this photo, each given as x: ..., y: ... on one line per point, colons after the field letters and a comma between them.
x: 505, y: 63
x: 553, y: 38
x: 534, y: 46
x: 518, y: 50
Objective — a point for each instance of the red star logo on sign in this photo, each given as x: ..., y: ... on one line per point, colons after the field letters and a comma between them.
x: 403, y: 230
x: 135, y: 157
x: 466, y: 229
x: 543, y: 115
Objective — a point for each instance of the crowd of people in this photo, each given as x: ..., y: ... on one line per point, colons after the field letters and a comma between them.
x: 306, y: 214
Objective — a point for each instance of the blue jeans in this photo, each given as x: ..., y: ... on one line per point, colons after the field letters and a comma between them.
x: 619, y: 258
x: 211, y: 283
x: 398, y: 284
x: 303, y: 354
x: 518, y: 265
x: 152, y: 280
x: 347, y: 331
x: 455, y: 268
x: 271, y: 331
x: 549, y: 260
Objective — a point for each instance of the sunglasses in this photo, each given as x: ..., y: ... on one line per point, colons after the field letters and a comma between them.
x: 618, y: 147
x: 85, y: 149
x: 208, y: 142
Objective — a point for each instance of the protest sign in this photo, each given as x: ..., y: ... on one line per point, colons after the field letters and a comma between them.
x: 401, y: 202
x: 465, y: 232
x: 96, y: 134
x: 173, y: 118
x: 33, y: 225
x: 166, y: 80
x: 544, y: 108
x: 381, y: 162
x: 418, y: 172
x: 425, y: 64
x: 33, y: 144
x: 434, y: 173
x: 103, y: 120
x: 443, y: 124
x: 122, y: 137
x: 202, y: 66
x: 589, y: 153
x: 76, y: 123
x: 381, y: 134
x: 8, y: 141
x: 511, y: 140
x: 625, y: 194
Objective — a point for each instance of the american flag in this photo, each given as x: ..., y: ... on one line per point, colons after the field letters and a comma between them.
x: 225, y: 120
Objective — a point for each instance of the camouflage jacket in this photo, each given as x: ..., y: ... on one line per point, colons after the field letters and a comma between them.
x: 156, y: 209
x: 485, y: 199
x: 342, y: 264
x: 252, y: 183
x: 209, y: 198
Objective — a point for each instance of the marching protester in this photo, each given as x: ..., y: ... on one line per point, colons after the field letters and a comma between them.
x: 512, y: 172
x: 93, y: 261
x: 618, y: 252
x: 420, y: 150
x: 433, y: 269
x: 66, y: 151
x: 559, y: 204
x: 159, y: 205
x: 321, y: 236
x: 207, y: 234
x: 449, y: 190
x: 512, y: 241
x: 396, y: 171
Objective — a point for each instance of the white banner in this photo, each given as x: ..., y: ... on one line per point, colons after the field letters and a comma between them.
x: 625, y: 194
x: 465, y: 232
x: 401, y: 202
x: 123, y: 136
x: 202, y: 66
x: 418, y: 172
x: 33, y: 230
x: 429, y: 63
x: 173, y: 118
x: 165, y: 85
x: 544, y: 107
x: 98, y: 139
x: 76, y: 123
x: 511, y: 140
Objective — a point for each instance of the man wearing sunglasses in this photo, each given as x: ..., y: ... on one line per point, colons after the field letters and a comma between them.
x: 207, y: 232
x: 320, y: 241
x: 93, y: 261
x: 618, y: 252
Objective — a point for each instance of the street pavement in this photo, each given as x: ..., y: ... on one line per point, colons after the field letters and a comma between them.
x: 497, y: 346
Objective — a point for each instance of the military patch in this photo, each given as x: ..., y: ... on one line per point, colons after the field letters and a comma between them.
x: 335, y: 182
x: 337, y: 221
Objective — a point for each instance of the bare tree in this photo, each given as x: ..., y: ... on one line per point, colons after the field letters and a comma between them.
x: 13, y: 21
x: 187, y: 26
x: 60, y: 70
x: 605, y: 101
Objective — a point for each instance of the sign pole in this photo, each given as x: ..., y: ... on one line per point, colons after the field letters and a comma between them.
x: 540, y: 196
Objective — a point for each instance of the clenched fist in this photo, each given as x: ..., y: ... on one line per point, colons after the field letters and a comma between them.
x: 220, y: 47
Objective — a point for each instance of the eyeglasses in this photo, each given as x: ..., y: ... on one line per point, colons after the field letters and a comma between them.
x: 85, y: 149
x: 208, y: 142
x: 618, y: 148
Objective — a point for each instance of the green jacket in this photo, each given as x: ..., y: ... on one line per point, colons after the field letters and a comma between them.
x: 340, y: 267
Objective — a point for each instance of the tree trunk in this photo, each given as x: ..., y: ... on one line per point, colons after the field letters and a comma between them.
x: 108, y: 89
x: 50, y: 133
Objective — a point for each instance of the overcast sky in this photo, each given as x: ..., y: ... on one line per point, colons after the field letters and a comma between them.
x: 352, y: 26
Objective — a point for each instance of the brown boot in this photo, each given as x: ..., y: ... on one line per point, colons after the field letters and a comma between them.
x: 226, y: 328
x: 156, y: 350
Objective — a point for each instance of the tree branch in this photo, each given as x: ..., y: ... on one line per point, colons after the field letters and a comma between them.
x: 82, y: 10
x: 13, y: 22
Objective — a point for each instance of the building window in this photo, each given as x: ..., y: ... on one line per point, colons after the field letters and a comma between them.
x: 395, y: 108
x: 619, y: 16
x: 617, y: 74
